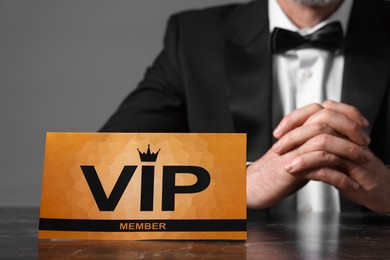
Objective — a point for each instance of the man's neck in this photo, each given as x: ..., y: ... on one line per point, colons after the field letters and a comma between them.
x: 305, y: 16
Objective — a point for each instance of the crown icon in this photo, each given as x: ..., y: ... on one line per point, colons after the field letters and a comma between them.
x: 148, y: 156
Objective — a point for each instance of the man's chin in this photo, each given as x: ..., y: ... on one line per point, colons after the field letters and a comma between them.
x: 317, y: 3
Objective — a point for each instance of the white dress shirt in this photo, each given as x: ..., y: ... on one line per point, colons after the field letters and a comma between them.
x: 309, y: 76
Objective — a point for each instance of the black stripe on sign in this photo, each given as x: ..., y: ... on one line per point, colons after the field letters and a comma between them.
x: 142, y: 225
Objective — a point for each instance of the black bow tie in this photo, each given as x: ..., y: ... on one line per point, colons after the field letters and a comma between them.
x: 329, y: 37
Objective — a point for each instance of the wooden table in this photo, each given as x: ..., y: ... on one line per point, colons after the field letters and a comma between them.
x: 270, y: 236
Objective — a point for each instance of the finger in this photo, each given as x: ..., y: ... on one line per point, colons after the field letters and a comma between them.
x: 299, y: 136
x: 295, y: 119
x: 333, y: 177
x: 352, y: 112
x: 338, y: 146
x: 342, y: 124
x: 313, y: 160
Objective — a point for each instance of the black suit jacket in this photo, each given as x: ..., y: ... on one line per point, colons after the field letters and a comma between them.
x: 214, y: 75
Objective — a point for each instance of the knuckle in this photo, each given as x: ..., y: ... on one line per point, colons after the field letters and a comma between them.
x: 328, y: 114
x: 321, y: 128
x: 323, y: 156
x: 287, y: 139
x: 353, y: 110
x: 369, y: 156
x: 326, y: 157
x: 316, y: 106
x: 287, y: 119
x: 323, y: 116
x: 321, y: 140
x: 354, y: 127
x: 340, y: 181
x: 300, y: 162
x: 322, y: 174
x: 328, y: 102
x: 353, y: 150
x: 332, y: 177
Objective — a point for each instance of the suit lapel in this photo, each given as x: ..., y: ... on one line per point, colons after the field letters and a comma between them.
x: 248, y: 75
x: 367, y: 60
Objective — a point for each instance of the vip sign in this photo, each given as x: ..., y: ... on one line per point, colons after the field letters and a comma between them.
x: 144, y: 186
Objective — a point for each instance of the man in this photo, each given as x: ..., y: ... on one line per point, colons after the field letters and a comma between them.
x: 217, y: 73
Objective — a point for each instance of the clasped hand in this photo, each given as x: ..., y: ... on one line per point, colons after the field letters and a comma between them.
x: 325, y: 143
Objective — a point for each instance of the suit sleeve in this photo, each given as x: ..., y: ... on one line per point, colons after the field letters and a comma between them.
x: 380, y: 136
x: 158, y: 103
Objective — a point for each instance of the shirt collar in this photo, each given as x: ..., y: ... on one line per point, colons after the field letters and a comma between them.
x: 277, y: 18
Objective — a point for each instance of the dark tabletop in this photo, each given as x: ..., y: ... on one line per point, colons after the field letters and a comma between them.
x: 270, y: 236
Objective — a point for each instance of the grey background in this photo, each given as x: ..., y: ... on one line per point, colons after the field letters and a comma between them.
x: 65, y: 65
